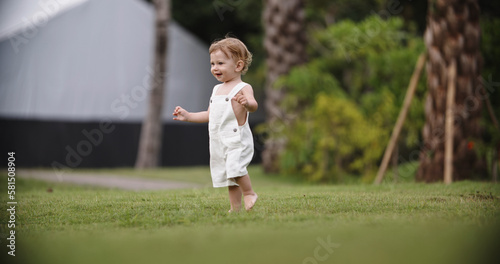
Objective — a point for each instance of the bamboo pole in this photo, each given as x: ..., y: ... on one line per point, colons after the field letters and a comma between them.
x: 449, y: 129
x: 401, y: 118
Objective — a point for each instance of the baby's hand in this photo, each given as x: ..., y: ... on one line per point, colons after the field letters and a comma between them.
x: 180, y: 114
x: 241, y: 99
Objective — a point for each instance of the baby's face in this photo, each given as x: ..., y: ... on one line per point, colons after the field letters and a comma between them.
x: 223, y: 68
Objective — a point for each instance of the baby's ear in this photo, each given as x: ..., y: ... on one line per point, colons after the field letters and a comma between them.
x: 240, y: 65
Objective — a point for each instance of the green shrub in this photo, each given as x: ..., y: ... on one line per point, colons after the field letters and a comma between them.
x: 330, y: 139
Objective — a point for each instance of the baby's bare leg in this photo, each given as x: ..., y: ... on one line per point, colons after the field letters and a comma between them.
x: 249, y: 195
x: 234, y: 198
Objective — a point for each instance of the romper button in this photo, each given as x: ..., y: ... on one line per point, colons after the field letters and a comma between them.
x: 235, y: 130
x: 210, y: 101
x: 227, y: 99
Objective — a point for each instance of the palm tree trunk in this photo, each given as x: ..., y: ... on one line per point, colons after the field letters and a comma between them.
x: 452, y: 34
x: 148, y: 155
x: 285, y: 44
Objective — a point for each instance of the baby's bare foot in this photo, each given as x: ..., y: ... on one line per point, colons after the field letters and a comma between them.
x: 233, y: 210
x: 250, y: 201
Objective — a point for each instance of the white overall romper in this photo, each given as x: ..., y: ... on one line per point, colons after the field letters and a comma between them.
x: 231, y: 146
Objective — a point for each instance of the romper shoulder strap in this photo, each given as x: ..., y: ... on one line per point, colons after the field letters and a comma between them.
x: 236, y: 89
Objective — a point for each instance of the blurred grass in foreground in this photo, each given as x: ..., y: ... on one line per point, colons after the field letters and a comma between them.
x: 292, y: 223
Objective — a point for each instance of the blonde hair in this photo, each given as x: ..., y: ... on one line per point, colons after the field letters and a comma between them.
x: 233, y: 48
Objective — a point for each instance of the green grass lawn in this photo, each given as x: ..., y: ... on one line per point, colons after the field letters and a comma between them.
x: 196, y: 174
x: 291, y: 223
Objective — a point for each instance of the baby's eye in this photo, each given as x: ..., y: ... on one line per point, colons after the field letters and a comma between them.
x: 220, y: 63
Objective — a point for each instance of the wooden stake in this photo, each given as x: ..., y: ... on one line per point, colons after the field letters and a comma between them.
x: 395, y: 172
x: 491, y: 112
x: 401, y: 118
x: 449, y: 129
x: 495, y: 165
x: 495, y: 160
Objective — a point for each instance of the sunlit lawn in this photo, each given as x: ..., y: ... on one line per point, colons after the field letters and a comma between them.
x: 291, y: 223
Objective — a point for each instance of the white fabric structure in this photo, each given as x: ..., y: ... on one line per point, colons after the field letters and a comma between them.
x: 89, y: 60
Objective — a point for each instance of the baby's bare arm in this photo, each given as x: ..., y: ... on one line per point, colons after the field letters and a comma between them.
x: 197, y: 117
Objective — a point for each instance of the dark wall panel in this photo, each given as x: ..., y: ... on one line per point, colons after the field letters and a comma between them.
x: 93, y: 144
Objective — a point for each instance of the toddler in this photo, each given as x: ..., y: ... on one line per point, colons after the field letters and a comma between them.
x: 231, y: 140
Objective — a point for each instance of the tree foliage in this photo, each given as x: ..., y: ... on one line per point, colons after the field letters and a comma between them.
x: 345, y: 100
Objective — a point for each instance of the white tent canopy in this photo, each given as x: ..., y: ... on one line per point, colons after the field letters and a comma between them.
x: 89, y: 60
